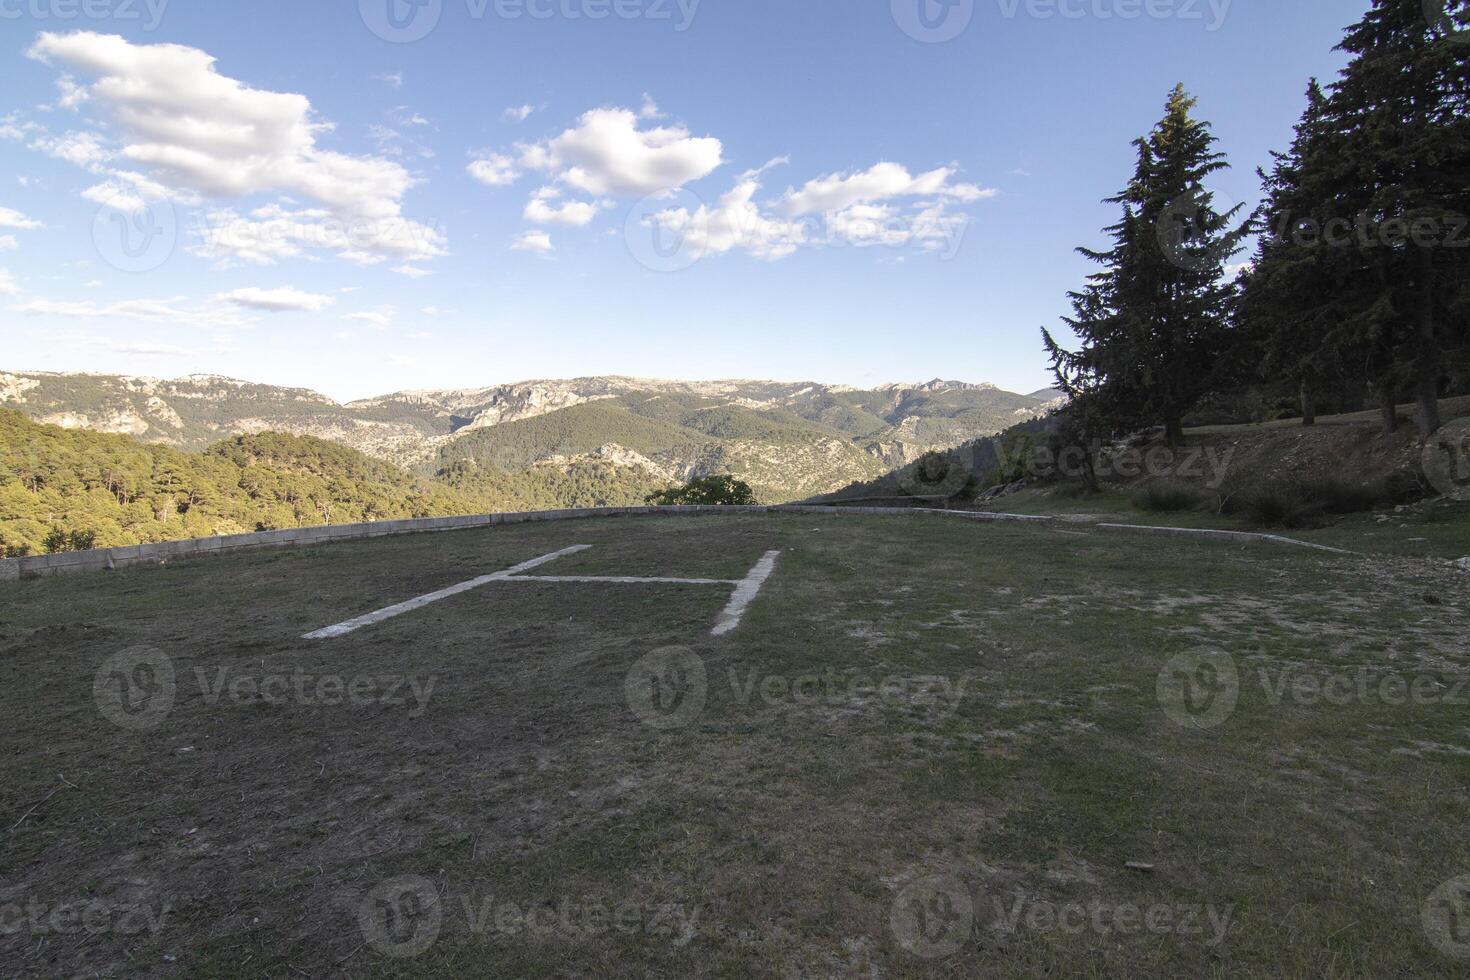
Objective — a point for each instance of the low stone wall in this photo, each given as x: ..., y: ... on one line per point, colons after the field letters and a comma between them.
x: 67, y: 562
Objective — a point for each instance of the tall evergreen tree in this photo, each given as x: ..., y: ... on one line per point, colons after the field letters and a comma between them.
x: 1153, y: 323
x: 1402, y: 178
x: 1301, y: 297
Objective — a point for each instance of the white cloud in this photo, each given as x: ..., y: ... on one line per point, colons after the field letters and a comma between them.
x: 82, y: 149
x: 8, y: 242
x: 883, y: 182
x: 198, y: 131
x: 533, y: 241
x: 770, y: 231
x: 134, y: 348
x: 10, y: 218
x: 381, y: 318
x: 280, y: 300
x: 95, y: 284
x: 606, y: 153
x: 115, y: 195
x: 270, y: 233
x: 8, y: 286
x: 519, y: 113
x: 436, y: 311
x: 151, y: 310
x: 412, y: 271
x: 737, y: 222
x: 393, y: 80
x: 650, y: 108
x: 573, y: 214
x: 72, y: 94
x: 496, y: 170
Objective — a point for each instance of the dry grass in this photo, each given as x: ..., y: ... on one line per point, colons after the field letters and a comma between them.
x: 1019, y: 753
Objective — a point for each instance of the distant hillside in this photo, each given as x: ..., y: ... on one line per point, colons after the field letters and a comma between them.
x: 787, y: 439
x: 63, y: 489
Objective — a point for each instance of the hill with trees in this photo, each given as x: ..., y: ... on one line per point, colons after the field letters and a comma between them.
x: 66, y: 489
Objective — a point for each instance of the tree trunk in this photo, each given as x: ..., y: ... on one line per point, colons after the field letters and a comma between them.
x: 1426, y: 363
x: 1089, y: 471
x: 1388, y: 408
x: 1174, y: 432
x: 1309, y: 406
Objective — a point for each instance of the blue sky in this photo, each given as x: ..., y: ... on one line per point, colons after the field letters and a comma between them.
x: 838, y: 192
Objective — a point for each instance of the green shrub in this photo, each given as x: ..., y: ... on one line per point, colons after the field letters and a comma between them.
x: 1280, y: 506
x: 1166, y: 497
x: 1073, y: 490
x: 707, y: 490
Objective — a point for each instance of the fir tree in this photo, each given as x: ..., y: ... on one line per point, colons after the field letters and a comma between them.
x: 1402, y: 179
x: 1154, y: 322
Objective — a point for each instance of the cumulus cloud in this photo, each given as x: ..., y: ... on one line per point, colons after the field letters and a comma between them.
x: 71, y: 94
x: 10, y: 218
x: 533, y: 241
x: 198, y: 131
x: 495, y: 170
x: 519, y: 113
x: 573, y: 214
x: 82, y: 149
x: 735, y: 222
x: 882, y: 182
x: 8, y: 285
x: 273, y: 232
x: 281, y: 300
x: 607, y: 153
x: 774, y: 230
x: 412, y: 271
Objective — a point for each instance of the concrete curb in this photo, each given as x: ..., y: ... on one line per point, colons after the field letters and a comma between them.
x: 103, y: 559
x: 1234, y: 537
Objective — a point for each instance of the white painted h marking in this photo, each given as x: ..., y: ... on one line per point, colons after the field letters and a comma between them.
x: 746, y: 590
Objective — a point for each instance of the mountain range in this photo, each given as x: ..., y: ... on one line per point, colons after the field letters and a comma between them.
x: 788, y: 440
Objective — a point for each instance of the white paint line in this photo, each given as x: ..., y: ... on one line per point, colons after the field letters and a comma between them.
x: 745, y: 593
x: 623, y: 580
x: 352, y: 625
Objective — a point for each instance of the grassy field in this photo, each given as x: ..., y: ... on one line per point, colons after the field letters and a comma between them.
x: 932, y: 748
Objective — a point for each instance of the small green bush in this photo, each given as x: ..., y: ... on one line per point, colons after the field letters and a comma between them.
x: 1280, y: 506
x: 1166, y: 497
x: 707, y: 490
x: 1073, y: 490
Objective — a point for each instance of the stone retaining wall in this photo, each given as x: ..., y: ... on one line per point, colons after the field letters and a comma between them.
x: 67, y: 562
